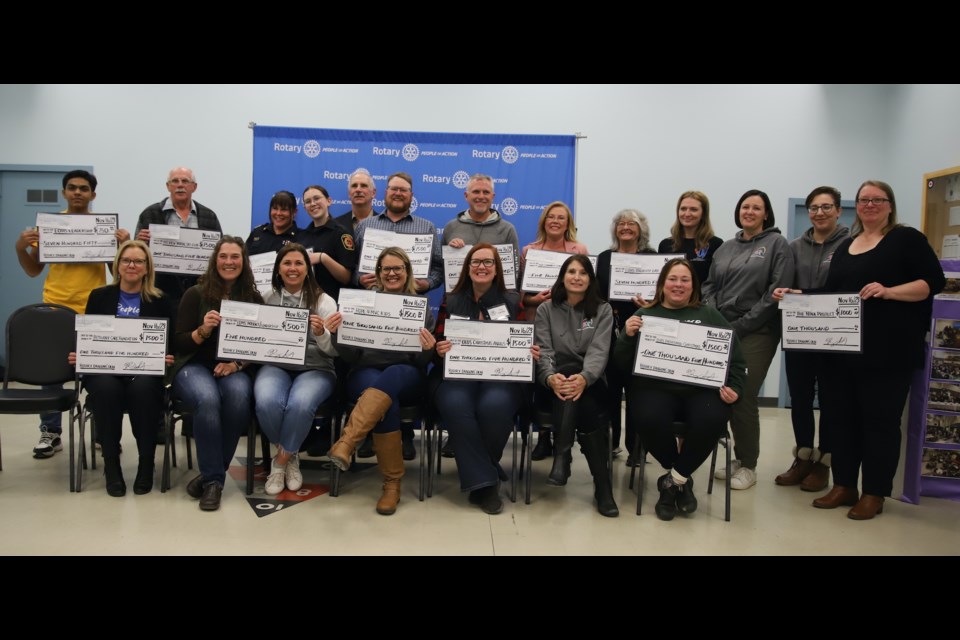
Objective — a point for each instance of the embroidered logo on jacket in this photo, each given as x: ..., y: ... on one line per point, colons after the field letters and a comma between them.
x: 759, y: 252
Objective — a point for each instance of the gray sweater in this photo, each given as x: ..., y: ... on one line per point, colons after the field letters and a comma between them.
x: 812, y: 259
x: 567, y: 338
x: 320, y: 351
x: 743, y: 276
x: 493, y: 230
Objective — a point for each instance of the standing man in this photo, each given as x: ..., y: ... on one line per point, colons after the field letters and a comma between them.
x: 334, y: 257
x: 361, y: 189
x: 479, y: 223
x: 397, y: 218
x: 66, y: 284
x: 281, y: 229
x: 179, y: 210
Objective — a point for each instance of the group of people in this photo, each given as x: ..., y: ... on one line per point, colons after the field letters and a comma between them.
x: 584, y: 344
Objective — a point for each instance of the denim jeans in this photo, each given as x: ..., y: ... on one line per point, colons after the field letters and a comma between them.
x: 52, y: 422
x: 404, y: 383
x: 221, y: 414
x: 479, y: 417
x: 286, y: 402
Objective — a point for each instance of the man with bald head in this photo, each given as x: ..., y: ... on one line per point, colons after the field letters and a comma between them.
x: 361, y: 189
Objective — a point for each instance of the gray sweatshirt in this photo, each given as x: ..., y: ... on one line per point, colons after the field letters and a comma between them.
x: 320, y: 351
x: 494, y: 230
x: 567, y: 338
x: 812, y: 259
x: 743, y: 276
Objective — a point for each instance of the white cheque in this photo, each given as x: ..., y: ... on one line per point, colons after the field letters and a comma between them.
x: 453, y: 260
x: 696, y: 354
x: 541, y: 269
x: 121, y: 346
x: 489, y: 350
x: 418, y: 248
x: 821, y: 322
x: 77, y: 237
x: 180, y: 249
x: 633, y: 274
x: 262, y: 266
x: 263, y: 333
x: 385, y: 321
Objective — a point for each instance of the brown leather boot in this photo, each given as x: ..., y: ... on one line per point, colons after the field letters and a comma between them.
x: 802, y: 464
x: 866, y: 508
x: 389, y: 448
x: 371, y: 406
x: 838, y: 497
x: 819, y: 477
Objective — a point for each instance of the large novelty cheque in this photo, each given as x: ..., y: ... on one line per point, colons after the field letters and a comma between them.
x: 822, y: 322
x: 385, y: 321
x: 263, y: 333
x: 694, y: 354
x: 488, y: 351
x: 181, y: 249
x: 541, y: 269
x: 121, y: 346
x: 417, y: 246
x: 76, y: 237
x: 453, y: 260
x: 636, y: 274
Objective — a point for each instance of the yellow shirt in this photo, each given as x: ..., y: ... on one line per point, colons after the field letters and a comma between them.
x: 71, y: 284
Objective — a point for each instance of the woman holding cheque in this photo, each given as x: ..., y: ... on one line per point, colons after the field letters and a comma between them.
x: 132, y: 295
x: 654, y: 404
x: 380, y: 382
x: 287, y: 398
x: 218, y: 392
x: 573, y: 331
x: 896, y: 274
x: 479, y: 414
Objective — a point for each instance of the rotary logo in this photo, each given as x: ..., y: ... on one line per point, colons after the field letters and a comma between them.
x: 413, y: 205
x: 508, y: 207
x: 460, y: 179
x: 410, y: 152
x: 311, y: 148
x: 509, y: 155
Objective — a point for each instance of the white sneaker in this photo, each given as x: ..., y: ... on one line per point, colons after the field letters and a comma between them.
x: 275, y: 481
x: 744, y: 478
x: 292, y: 475
x: 721, y: 472
x: 49, y: 444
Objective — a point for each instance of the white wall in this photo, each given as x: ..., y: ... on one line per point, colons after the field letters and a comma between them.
x: 645, y: 144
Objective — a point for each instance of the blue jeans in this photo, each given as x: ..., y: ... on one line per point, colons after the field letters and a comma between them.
x: 286, y: 402
x: 402, y: 382
x: 52, y: 422
x: 221, y: 414
x: 479, y: 417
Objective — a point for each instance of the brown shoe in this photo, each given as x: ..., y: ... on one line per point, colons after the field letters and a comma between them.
x: 818, y: 479
x: 389, y: 448
x: 868, y: 507
x: 371, y: 406
x: 837, y: 497
x: 795, y: 474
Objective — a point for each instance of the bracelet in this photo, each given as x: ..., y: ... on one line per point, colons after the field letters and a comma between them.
x: 200, y: 333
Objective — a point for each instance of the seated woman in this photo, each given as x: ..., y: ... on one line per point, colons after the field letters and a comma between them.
x: 380, y: 382
x: 655, y: 404
x: 573, y: 331
x: 479, y: 414
x: 132, y: 295
x: 286, y: 397
x: 218, y: 393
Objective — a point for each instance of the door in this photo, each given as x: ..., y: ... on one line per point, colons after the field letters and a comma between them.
x: 23, y: 194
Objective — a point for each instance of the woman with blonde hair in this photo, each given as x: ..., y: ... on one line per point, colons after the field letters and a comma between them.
x: 692, y: 233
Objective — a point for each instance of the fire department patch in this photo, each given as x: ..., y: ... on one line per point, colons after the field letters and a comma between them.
x: 347, y: 241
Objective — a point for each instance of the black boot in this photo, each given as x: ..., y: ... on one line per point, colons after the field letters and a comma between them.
x: 116, y: 487
x: 144, y: 481
x: 544, y: 448
x: 666, y: 507
x: 562, y: 445
x: 686, y: 501
x: 596, y: 448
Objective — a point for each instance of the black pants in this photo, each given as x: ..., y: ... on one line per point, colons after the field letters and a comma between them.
x: 616, y: 381
x: 653, y: 412
x: 866, y: 411
x: 140, y: 396
x: 591, y: 413
x: 805, y: 379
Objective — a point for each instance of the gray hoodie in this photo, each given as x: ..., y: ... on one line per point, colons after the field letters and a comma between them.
x: 494, y: 230
x: 566, y: 338
x: 812, y: 259
x: 743, y: 276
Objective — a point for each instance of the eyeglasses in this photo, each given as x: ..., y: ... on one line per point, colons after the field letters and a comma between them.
x: 399, y: 189
x: 627, y: 223
x: 312, y: 200
x: 826, y: 208
x: 398, y: 269
x: 874, y: 201
x: 135, y: 262
x: 487, y: 262
x: 180, y: 181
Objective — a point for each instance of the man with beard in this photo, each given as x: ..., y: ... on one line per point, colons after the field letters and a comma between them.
x: 361, y: 189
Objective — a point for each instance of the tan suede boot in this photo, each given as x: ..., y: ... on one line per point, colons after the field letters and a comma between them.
x: 802, y: 464
x: 819, y: 477
x: 389, y: 448
x: 371, y: 406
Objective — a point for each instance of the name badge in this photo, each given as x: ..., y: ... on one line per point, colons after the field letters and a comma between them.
x: 499, y: 313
